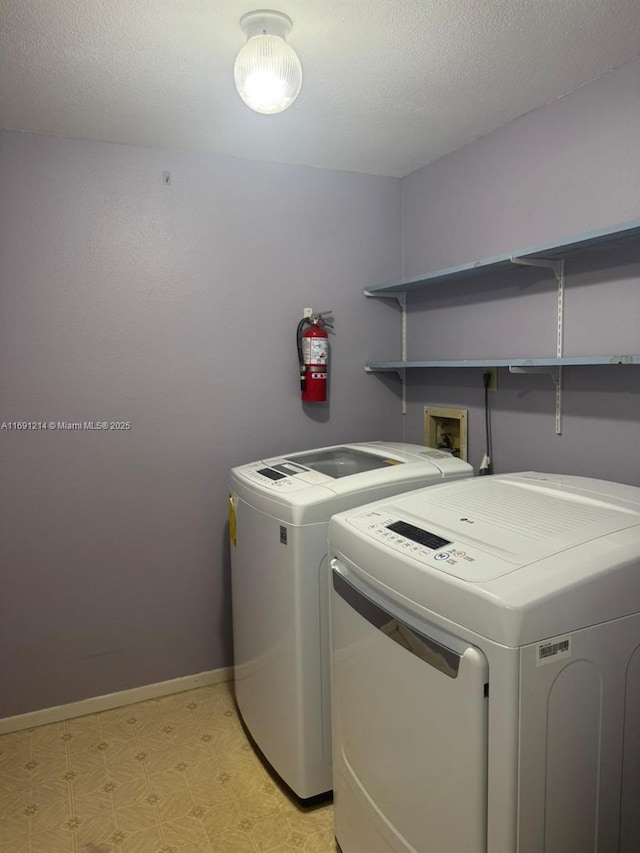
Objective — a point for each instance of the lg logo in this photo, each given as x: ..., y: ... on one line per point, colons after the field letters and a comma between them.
x: 467, y: 520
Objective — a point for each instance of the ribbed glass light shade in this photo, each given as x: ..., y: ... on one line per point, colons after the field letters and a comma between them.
x: 268, y: 74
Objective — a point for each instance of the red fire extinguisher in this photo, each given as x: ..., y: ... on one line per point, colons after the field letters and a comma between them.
x: 313, y: 356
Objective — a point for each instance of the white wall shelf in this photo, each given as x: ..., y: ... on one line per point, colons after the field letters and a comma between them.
x: 551, y: 256
x: 625, y: 232
x: 514, y: 364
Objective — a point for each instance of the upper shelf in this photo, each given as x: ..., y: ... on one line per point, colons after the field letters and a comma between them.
x: 603, y: 238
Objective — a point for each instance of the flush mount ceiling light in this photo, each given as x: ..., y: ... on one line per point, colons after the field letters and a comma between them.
x: 267, y: 70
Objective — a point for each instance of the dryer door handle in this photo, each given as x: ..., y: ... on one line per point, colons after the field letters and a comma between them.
x: 422, y: 646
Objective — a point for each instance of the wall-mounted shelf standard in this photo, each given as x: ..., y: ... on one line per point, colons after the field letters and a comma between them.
x: 603, y: 238
x: 551, y: 256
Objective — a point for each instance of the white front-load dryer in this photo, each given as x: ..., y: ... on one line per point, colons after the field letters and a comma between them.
x: 279, y: 515
x: 486, y: 668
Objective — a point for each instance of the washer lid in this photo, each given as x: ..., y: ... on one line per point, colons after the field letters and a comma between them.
x: 292, y: 491
x: 337, y: 462
x: 347, y: 468
x: 348, y: 459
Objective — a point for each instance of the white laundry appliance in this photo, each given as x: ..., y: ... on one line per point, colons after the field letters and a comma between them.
x: 486, y: 668
x: 279, y: 515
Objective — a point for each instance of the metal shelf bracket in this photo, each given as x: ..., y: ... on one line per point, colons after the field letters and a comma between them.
x: 556, y: 265
x: 400, y: 372
x: 402, y: 299
x: 555, y: 374
x: 399, y: 297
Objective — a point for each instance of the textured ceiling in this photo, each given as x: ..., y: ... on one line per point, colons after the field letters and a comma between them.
x: 389, y: 85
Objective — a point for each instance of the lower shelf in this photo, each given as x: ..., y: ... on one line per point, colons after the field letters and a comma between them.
x: 517, y: 363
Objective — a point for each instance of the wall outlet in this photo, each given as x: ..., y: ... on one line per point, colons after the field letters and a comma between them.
x: 493, y: 382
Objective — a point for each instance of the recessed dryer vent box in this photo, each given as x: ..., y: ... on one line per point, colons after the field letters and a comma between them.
x: 446, y: 429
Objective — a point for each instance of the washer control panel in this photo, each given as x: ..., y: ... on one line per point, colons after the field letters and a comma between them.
x: 282, y: 476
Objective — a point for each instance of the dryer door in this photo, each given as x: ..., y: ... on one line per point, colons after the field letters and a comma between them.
x: 410, y: 729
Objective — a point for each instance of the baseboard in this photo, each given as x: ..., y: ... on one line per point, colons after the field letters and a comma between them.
x: 114, y: 700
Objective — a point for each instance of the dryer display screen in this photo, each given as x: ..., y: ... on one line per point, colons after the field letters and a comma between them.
x: 417, y: 534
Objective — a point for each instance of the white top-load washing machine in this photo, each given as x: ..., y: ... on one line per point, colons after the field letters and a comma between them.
x: 486, y: 668
x: 279, y: 515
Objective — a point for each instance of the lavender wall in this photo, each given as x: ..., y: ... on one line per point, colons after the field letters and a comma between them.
x: 174, y: 308
x: 566, y: 168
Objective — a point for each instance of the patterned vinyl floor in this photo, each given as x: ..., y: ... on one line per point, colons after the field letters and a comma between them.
x: 170, y: 775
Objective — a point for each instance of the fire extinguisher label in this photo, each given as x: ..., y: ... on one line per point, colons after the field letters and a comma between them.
x: 318, y: 375
x: 315, y: 350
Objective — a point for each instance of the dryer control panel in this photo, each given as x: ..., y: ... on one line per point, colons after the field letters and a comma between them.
x: 421, y: 543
